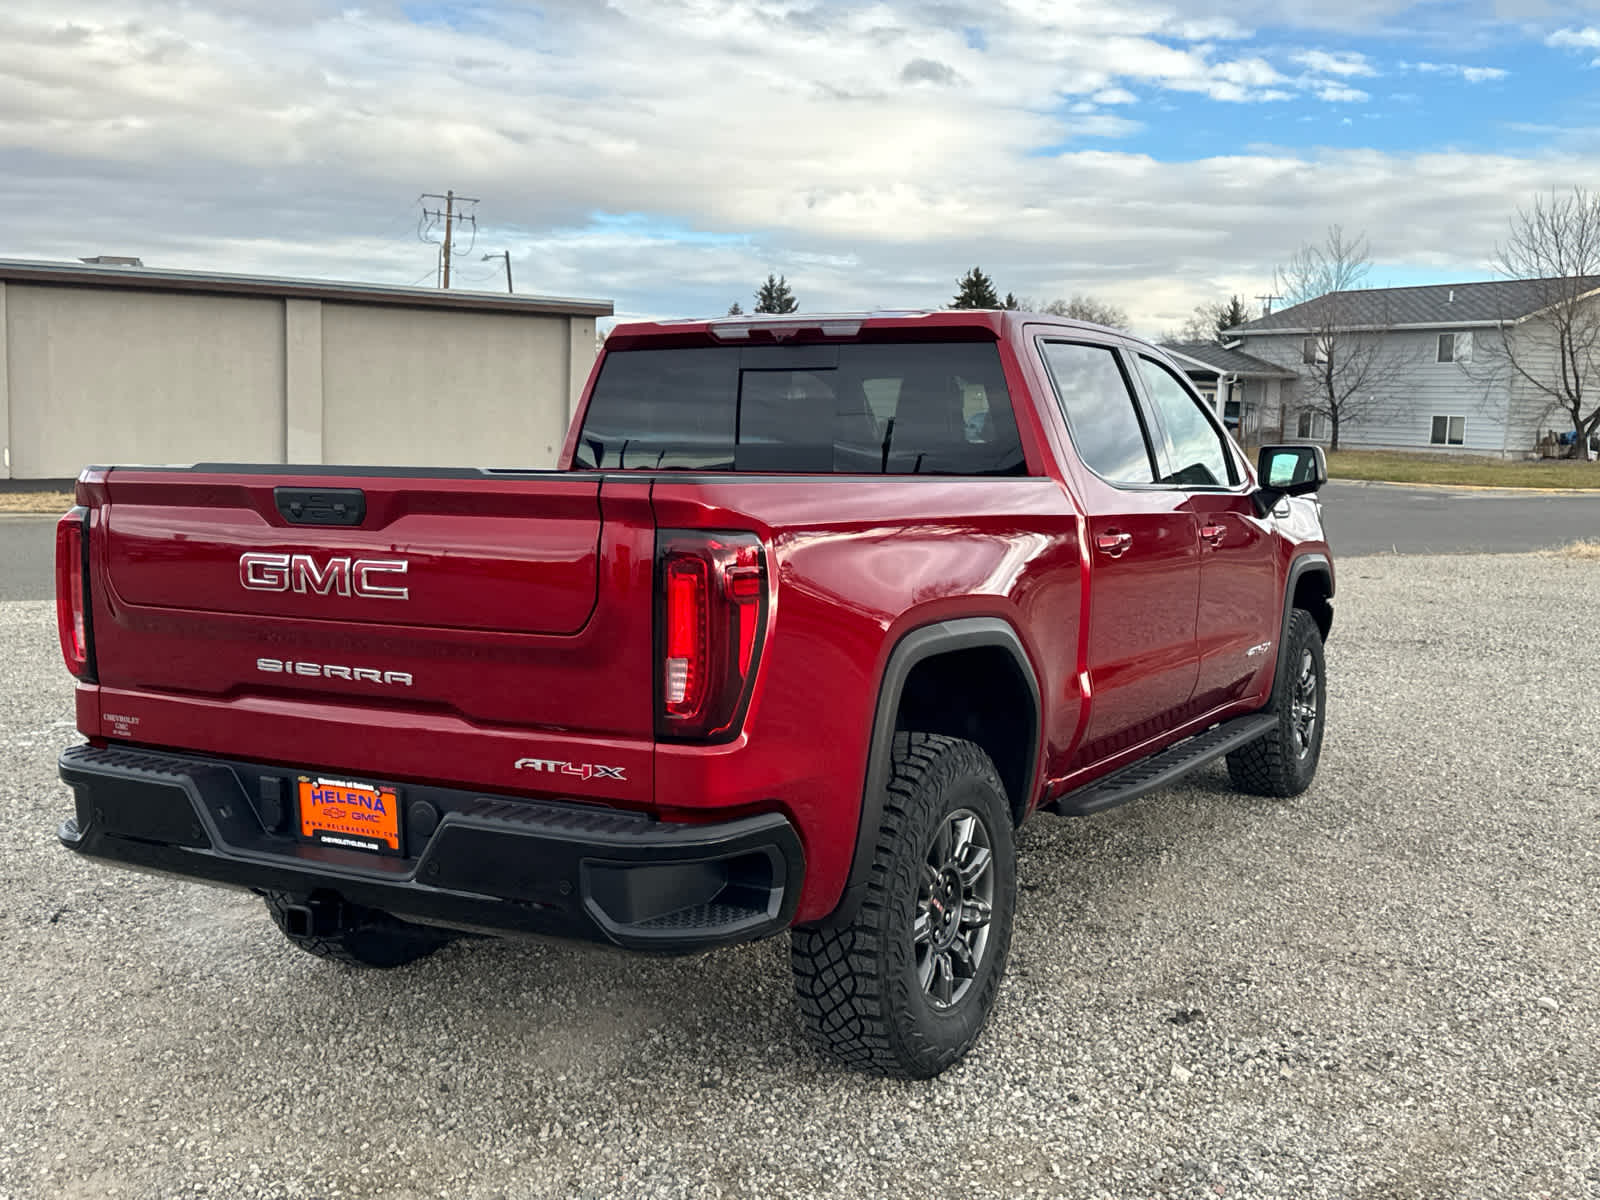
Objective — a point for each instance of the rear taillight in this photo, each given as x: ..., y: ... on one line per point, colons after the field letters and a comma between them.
x: 72, y: 592
x: 712, y: 610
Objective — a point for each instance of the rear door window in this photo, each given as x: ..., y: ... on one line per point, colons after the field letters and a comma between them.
x: 1102, y: 415
x: 891, y: 408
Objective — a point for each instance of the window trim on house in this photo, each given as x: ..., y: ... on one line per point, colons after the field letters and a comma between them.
x: 1310, y: 426
x: 1312, y: 351
x: 1439, y: 435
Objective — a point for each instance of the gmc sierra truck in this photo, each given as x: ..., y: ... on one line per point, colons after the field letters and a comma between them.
x: 812, y: 613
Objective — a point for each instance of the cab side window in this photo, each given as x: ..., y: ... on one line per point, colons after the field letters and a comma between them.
x: 1196, y: 451
x: 1101, y: 414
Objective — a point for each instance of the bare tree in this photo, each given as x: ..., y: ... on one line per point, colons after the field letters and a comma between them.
x: 1085, y: 308
x: 1350, y: 361
x: 1198, y: 326
x: 1209, y: 320
x: 1553, y: 344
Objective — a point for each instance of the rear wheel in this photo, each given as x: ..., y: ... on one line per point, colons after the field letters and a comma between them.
x: 326, y: 926
x: 1283, y: 762
x: 906, y: 987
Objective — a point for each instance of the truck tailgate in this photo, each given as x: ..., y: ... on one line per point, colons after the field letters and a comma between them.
x: 474, y: 601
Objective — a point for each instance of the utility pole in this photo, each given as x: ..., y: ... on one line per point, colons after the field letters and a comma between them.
x: 449, y: 223
x: 1266, y: 304
x: 505, y: 254
x: 449, y: 217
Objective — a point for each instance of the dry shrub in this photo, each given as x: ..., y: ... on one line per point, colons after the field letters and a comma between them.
x: 1587, y: 551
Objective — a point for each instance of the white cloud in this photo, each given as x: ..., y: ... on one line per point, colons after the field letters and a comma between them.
x: 1323, y: 63
x: 1248, y: 72
x: 291, y: 137
x: 1470, y: 74
x: 1587, y: 38
x: 1337, y: 93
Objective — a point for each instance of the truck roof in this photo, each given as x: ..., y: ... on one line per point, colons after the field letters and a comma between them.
x: 992, y: 322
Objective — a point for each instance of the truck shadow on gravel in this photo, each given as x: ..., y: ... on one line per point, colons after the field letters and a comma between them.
x: 558, y: 1009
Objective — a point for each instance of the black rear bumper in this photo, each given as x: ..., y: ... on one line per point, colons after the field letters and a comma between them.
x: 474, y: 862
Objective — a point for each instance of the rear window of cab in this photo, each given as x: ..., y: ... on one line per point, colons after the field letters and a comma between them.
x: 915, y: 408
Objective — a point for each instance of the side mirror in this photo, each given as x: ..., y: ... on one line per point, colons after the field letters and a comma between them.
x: 1288, y: 471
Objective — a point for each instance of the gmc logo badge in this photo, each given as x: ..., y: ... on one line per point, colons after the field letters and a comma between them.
x: 334, y: 577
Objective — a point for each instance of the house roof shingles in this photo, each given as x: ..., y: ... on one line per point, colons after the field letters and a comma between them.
x: 1441, y: 305
x: 1225, y: 361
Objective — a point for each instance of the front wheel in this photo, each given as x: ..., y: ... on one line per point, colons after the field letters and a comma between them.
x: 1283, y: 761
x: 906, y: 987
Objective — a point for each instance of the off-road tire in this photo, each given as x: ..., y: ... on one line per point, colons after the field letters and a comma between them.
x: 860, y: 995
x: 369, y: 938
x: 1282, y: 762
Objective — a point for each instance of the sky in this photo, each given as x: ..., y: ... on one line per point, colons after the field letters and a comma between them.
x: 668, y: 154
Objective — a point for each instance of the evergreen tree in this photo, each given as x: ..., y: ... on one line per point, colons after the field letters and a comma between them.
x: 1230, y: 314
x: 734, y: 310
x: 1011, y: 302
x: 775, y: 297
x: 976, y: 291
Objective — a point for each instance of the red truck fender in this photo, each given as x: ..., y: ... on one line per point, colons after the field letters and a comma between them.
x: 1018, y: 764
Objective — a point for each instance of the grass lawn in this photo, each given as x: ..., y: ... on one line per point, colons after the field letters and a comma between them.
x: 35, y: 502
x: 1394, y: 467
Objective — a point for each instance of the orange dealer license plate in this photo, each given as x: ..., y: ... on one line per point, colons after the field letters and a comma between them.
x: 352, y: 816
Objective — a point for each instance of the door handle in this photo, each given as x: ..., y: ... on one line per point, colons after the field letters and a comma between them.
x: 1113, y: 544
x: 1214, y: 533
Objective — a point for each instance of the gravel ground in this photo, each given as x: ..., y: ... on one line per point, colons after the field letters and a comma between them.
x: 1385, y: 988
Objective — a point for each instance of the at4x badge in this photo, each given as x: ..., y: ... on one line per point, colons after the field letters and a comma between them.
x: 585, y: 771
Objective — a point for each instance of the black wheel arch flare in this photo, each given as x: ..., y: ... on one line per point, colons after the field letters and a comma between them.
x: 916, y: 646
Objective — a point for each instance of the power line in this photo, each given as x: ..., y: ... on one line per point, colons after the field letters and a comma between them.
x: 450, y: 218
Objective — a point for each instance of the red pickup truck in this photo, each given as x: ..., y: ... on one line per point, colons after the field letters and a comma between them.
x: 813, y: 612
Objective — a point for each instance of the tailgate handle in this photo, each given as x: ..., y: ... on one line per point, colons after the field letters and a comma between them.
x: 321, y: 506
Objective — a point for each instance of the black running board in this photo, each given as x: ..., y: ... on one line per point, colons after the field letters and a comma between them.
x: 1162, y: 769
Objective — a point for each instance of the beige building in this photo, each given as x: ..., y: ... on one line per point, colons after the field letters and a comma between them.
x: 114, y: 364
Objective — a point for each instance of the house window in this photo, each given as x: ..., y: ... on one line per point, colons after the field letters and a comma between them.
x: 1311, y: 425
x: 1312, y: 350
x: 1448, y: 431
x: 1455, y: 347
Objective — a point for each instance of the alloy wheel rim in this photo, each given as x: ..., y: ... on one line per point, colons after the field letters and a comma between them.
x: 955, y: 901
x: 1303, y: 705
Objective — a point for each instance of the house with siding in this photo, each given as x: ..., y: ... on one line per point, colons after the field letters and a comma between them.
x: 1242, y: 390
x: 1446, y: 381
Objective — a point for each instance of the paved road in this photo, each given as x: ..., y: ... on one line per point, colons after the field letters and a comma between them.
x: 27, y: 557
x: 1386, y: 518
x: 1363, y: 518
